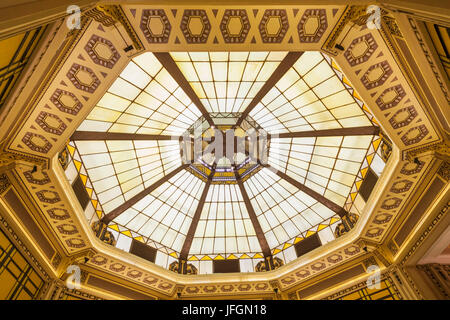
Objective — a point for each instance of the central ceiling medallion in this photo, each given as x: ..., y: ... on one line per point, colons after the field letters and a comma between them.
x: 225, y: 151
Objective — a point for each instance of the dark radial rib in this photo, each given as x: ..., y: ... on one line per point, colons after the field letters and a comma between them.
x: 171, y: 67
x: 191, y: 232
x: 127, y: 204
x: 327, y: 203
x: 251, y: 213
x: 279, y: 72
x: 93, y: 135
x: 355, y: 131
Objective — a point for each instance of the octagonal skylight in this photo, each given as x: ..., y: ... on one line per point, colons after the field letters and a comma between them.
x: 131, y: 155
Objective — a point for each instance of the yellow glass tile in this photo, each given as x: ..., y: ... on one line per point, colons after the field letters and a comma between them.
x: 9, y: 47
x: 99, y: 214
x: 287, y: 245
x: 297, y: 240
x: 333, y: 220
x: 21, y: 262
x: 83, y: 178
x: 352, y: 296
x: 353, y: 195
x: 193, y: 258
x: 8, y: 282
x: 275, y: 251
x: 370, y: 158
x: 257, y: 256
x: 205, y: 258
x: 90, y: 191
x: 35, y: 278
x: 245, y: 256
x: 23, y: 295
x: 127, y: 233
x: 232, y: 256
x: 379, y: 295
x: 321, y: 226
x: 4, y: 242
x: 77, y: 165
x: 310, y: 233
x: 358, y: 185
x: 173, y: 254
x: 71, y: 149
x: 219, y: 257
x: 114, y: 227
x: 364, y: 171
x: 334, y: 65
x: 376, y: 143
x: 139, y: 239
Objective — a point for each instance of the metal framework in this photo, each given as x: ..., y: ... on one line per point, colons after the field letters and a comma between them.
x: 170, y: 65
x: 279, y: 72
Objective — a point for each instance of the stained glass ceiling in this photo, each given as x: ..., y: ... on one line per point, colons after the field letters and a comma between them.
x: 227, y: 81
x: 309, y: 96
x: 144, y: 99
x: 128, y: 153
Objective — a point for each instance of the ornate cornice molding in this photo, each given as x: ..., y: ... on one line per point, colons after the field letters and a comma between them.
x: 109, y: 15
x: 79, y: 294
x: 425, y: 234
x: 4, y: 183
x: 355, y: 14
x: 438, y: 274
x: 11, y: 159
x: 440, y: 150
x: 444, y: 170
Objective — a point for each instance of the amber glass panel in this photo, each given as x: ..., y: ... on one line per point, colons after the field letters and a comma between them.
x: 15, y: 53
x: 384, y: 292
x: 18, y: 279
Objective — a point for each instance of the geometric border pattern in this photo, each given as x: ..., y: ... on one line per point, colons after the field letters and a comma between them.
x: 269, y: 15
x: 88, y: 87
x: 105, y: 62
x: 202, y: 17
x: 40, y: 120
x: 386, y: 72
x: 160, y: 14
x: 421, y: 131
x: 371, y: 46
x: 27, y: 139
x: 400, y: 94
x: 321, y: 16
x: 55, y: 98
x: 241, y: 14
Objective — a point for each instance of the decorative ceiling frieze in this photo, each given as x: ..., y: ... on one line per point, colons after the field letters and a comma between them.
x: 190, y: 28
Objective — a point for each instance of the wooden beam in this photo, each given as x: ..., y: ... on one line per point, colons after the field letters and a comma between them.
x: 193, y: 227
x: 93, y: 135
x: 355, y: 131
x: 326, y: 202
x: 171, y: 67
x: 279, y: 72
x: 127, y: 204
x: 251, y: 213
